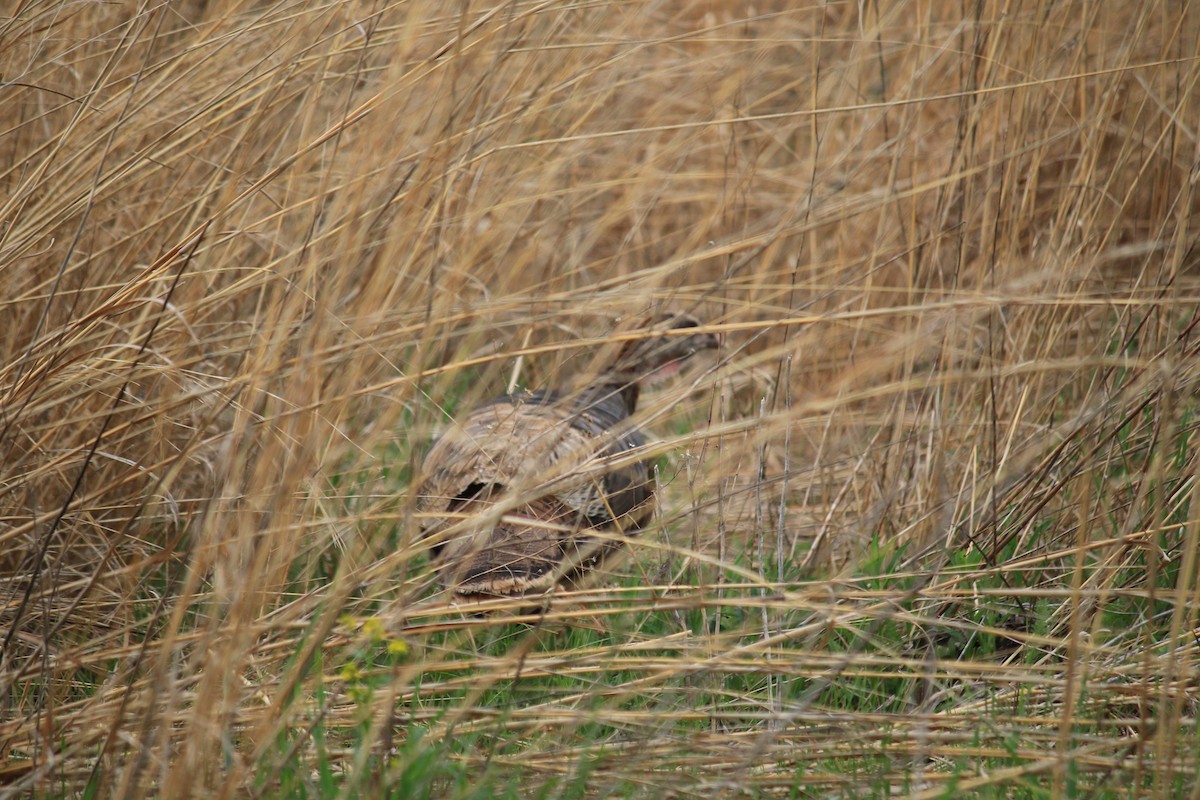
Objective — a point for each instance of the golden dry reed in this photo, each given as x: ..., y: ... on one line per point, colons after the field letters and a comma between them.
x: 928, y: 521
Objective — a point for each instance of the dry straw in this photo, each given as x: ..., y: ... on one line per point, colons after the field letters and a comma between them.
x: 928, y: 524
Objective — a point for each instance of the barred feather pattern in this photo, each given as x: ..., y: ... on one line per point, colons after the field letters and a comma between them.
x: 510, y: 447
x: 535, y: 487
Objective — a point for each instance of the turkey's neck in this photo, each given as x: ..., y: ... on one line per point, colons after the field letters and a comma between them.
x: 607, y: 388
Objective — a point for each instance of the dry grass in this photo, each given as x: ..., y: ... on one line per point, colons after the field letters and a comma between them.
x: 929, y: 522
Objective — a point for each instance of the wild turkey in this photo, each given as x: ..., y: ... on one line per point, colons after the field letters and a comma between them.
x: 530, y: 476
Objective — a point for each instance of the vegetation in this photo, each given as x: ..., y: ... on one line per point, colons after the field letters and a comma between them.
x: 927, y: 527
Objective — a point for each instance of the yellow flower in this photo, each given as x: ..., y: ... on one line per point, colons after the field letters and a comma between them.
x: 373, y: 629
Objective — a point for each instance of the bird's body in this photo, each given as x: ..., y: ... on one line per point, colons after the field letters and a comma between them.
x: 532, y: 488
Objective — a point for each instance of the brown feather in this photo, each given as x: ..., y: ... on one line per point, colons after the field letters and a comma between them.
x: 516, y: 497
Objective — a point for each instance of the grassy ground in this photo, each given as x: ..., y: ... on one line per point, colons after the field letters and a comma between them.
x: 927, y: 528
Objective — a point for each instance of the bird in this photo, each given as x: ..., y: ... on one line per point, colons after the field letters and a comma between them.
x: 533, y: 489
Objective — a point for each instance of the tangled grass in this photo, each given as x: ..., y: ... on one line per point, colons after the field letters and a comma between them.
x: 926, y: 526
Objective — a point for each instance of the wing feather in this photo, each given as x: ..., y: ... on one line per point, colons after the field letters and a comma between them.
x: 551, y: 450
